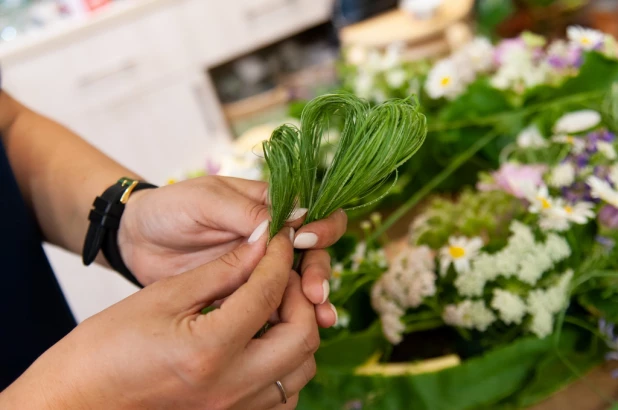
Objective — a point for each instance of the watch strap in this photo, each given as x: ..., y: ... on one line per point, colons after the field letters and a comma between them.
x: 104, y: 223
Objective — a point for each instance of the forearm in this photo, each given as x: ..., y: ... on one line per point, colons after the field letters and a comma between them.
x: 58, y: 173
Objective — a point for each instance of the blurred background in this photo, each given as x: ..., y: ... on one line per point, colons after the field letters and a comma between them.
x: 165, y: 86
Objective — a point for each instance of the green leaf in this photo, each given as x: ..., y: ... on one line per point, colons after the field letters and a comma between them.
x: 350, y: 350
x: 597, y: 73
x: 490, y: 13
x: 604, y: 303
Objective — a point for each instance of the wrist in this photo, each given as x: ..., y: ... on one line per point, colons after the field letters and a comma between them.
x: 128, y: 233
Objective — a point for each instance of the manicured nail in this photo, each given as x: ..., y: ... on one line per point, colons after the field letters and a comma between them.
x: 292, y: 235
x: 305, y: 240
x: 259, y: 231
x: 334, y: 309
x: 297, y: 213
x: 326, y: 290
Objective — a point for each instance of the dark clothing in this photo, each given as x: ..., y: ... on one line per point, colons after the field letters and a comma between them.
x: 34, y: 313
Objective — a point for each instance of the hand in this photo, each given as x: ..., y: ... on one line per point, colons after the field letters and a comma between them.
x: 154, y: 350
x: 178, y: 227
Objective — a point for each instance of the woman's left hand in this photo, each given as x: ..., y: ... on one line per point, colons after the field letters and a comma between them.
x: 179, y: 227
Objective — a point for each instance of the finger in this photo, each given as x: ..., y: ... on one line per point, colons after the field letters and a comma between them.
x: 248, y: 308
x: 203, y: 285
x: 255, y: 190
x: 286, y: 345
x: 290, y: 405
x: 292, y: 384
x: 230, y: 210
x: 322, y: 233
x: 326, y: 315
x: 315, y: 269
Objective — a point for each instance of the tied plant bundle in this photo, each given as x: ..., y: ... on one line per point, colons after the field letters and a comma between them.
x: 374, y: 142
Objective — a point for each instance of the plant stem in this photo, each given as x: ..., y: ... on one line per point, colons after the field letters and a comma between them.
x: 424, y: 325
x: 435, y: 182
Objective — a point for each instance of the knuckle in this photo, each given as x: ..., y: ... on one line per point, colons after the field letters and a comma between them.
x: 309, y: 369
x: 311, y: 341
x: 256, y: 212
x: 232, y: 260
x: 271, y: 297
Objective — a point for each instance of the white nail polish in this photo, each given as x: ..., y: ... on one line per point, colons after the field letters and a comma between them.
x: 259, y: 231
x: 334, y: 309
x: 297, y: 213
x: 305, y: 240
x: 292, y: 235
x: 326, y: 290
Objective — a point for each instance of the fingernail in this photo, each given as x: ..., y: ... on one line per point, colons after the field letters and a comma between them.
x: 305, y: 240
x: 326, y: 290
x: 292, y: 235
x: 259, y: 231
x: 334, y: 309
x: 297, y: 213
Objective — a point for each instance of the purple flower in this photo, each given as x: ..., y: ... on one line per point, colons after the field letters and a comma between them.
x: 579, y: 191
x: 212, y: 167
x: 514, y: 179
x: 608, y: 216
x: 505, y: 47
x: 606, y: 242
x: 607, y: 329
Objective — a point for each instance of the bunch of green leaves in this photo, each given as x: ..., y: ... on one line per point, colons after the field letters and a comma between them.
x: 375, y: 141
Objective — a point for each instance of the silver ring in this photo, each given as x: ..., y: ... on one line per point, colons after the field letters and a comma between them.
x: 284, y: 395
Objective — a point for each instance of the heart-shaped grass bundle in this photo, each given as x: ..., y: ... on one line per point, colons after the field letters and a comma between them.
x: 374, y: 142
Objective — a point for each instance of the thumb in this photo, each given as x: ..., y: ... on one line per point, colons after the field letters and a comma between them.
x: 200, y: 287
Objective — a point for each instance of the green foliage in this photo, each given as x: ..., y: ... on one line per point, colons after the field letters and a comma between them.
x: 490, y: 13
x: 512, y: 376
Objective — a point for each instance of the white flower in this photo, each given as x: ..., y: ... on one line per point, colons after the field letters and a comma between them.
x: 411, y: 277
x: 396, y: 78
x: 577, y: 121
x: 363, y: 84
x: 336, y: 277
x: 378, y: 257
x: 603, y: 190
x: 359, y: 255
x: 443, y: 81
x: 580, y: 213
x: 480, y: 53
x: 531, y: 138
x: 606, y: 149
x: 393, y: 328
x: 613, y: 174
x: 562, y: 175
x: 540, y: 201
x: 392, y: 56
x: 460, y: 251
x: 511, y: 308
x: 470, y: 284
x: 554, y: 219
x: 557, y: 247
x: 343, y: 319
x: 577, y: 144
x: 469, y: 314
x: 356, y: 55
x: 585, y: 38
x: 542, y: 323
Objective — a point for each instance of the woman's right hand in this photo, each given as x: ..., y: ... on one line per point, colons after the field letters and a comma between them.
x: 154, y: 350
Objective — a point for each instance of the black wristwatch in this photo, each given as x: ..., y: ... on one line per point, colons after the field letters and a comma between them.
x: 104, y: 223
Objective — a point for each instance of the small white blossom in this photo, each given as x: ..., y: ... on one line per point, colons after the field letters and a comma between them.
x: 533, y: 264
x: 411, y: 277
x: 542, y: 324
x: 562, y: 175
x: 544, y: 304
x: 586, y: 38
x: 602, y: 189
x: 364, y: 84
x: 336, y: 277
x: 443, y: 81
x: 479, y: 53
x: 606, y: 149
x: 470, y: 284
x: 511, y: 308
x: 393, y: 328
x: 557, y: 247
x: 356, y: 55
x: 359, y: 255
x: 577, y: 121
x: 469, y: 314
x: 396, y: 78
x: 531, y: 138
x: 540, y: 201
x: 459, y: 252
x: 577, y: 144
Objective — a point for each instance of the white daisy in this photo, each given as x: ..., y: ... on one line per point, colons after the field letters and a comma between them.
x: 577, y: 144
x: 511, y: 308
x: 554, y: 219
x: 586, y: 38
x: 577, y: 121
x: 580, y: 213
x: 336, y: 277
x: 603, y: 190
x: 531, y: 138
x: 562, y: 175
x: 607, y: 149
x: 460, y: 251
x: 540, y: 201
x: 443, y: 81
x: 480, y: 53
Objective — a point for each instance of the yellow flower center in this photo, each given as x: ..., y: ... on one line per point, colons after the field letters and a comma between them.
x: 568, y: 209
x: 171, y: 181
x: 585, y: 41
x: 544, y: 202
x: 570, y: 139
x: 336, y: 274
x: 456, y: 252
x: 445, y: 81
